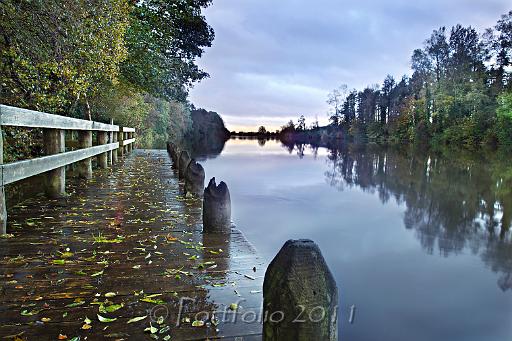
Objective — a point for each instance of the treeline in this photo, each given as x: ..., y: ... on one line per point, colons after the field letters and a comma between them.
x: 460, y: 93
x: 96, y: 59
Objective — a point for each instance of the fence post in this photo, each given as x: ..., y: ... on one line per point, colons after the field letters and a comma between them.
x: 102, y: 138
x: 85, y: 166
x: 3, y: 207
x: 110, y: 135
x: 115, y: 151
x: 126, y: 147
x: 130, y: 146
x: 55, y: 181
x: 300, y: 295
x: 120, y: 138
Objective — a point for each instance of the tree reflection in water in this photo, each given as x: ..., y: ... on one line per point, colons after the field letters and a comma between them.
x: 454, y: 200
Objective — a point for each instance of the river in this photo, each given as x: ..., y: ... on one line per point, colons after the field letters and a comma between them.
x: 420, y: 243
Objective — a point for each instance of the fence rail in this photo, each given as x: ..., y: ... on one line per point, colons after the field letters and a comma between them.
x: 112, y: 141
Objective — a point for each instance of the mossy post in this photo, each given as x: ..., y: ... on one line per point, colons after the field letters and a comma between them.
x: 300, y: 296
x: 216, y: 208
x: 194, y: 179
x: 183, y: 163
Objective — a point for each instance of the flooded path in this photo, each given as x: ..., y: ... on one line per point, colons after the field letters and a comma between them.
x: 123, y: 257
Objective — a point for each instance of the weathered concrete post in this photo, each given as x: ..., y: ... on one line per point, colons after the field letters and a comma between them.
x: 3, y: 207
x: 194, y: 179
x: 183, y: 163
x: 55, y: 181
x: 300, y: 296
x: 216, y: 208
x: 84, y: 167
x: 120, y: 138
x: 102, y: 138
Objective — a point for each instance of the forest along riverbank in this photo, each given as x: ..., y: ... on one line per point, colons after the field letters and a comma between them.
x: 124, y: 256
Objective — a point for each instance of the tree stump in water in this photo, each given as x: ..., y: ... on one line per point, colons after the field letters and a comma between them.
x: 183, y: 162
x: 300, y: 296
x: 216, y: 208
x: 194, y: 179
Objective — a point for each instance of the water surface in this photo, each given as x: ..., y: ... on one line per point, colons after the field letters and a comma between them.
x: 419, y: 242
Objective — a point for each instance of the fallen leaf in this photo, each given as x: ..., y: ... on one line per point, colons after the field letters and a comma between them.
x: 105, y: 319
x: 97, y: 273
x: 137, y: 319
x: 197, y: 323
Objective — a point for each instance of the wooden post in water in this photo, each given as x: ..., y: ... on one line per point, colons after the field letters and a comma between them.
x: 174, y: 152
x: 55, y: 180
x: 216, y: 208
x: 120, y: 138
x: 85, y: 166
x: 102, y: 138
x: 300, y: 297
x: 3, y: 207
x: 183, y: 163
x: 194, y: 179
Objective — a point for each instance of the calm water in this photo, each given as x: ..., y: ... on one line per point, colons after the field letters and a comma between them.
x: 420, y: 244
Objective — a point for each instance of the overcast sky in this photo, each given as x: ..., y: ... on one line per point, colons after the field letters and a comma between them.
x: 273, y: 60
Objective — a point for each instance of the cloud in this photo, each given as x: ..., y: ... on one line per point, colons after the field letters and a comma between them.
x: 278, y: 59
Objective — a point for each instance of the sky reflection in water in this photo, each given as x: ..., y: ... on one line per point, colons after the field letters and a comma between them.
x: 409, y: 239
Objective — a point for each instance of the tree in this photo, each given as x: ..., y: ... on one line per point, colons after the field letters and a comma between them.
x: 163, y: 41
x: 504, y: 113
x: 335, y: 99
x: 262, y: 130
x: 55, y: 56
x: 465, y: 54
x: 438, y: 51
x: 349, y: 107
x: 367, y: 105
x: 498, y: 50
x: 314, y: 125
x: 301, y: 123
x: 385, y: 98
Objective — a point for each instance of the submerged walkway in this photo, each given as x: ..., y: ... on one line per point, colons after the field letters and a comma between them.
x: 115, y: 258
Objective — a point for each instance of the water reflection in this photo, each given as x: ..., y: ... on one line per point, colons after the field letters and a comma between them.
x: 452, y: 201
